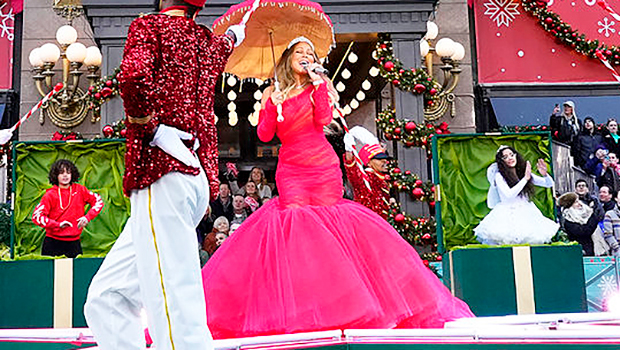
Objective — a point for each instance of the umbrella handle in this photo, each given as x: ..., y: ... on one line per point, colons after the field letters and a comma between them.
x: 280, y: 118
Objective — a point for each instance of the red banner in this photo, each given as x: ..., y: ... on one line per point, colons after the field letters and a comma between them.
x: 513, y: 47
x: 7, y: 24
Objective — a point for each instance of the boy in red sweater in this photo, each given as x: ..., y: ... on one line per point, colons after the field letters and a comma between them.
x: 61, y: 211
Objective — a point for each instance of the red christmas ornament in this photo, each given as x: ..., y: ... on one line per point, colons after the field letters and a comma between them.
x: 425, y: 262
x: 432, y: 204
x: 108, y: 83
x: 419, y: 88
x: 396, y: 170
x: 90, y: 88
x: 401, y: 71
x: 123, y: 132
x: 97, y: 96
x: 388, y: 137
x: 389, y: 65
x: 409, y: 143
x: 432, y: 91
x: 417, y: 193
x: 426, y: 236
x: 397, y: 131
x: 383, y: 46
x: 418, y: 183
x: 443, y: 126
x: 108, y: 131
x: 408, y: 172
x: 106, y: 91
x: 410, y: 126
x: 608, y: 53
x: 400, y: 218
x: 548, y: 20
x: 396, y: 82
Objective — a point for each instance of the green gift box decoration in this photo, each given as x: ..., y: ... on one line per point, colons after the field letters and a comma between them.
x: 502, y: 280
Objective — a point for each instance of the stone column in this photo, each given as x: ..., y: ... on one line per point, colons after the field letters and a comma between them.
x: 410, y: 106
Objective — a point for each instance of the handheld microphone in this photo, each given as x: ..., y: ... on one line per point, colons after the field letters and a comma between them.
x: 317, y: 70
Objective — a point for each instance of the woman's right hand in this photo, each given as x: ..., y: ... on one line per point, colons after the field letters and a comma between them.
x: 277, y: 97
x: 528, y: 171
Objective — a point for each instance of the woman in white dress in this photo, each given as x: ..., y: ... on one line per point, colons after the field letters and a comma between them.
x: 514, y: 219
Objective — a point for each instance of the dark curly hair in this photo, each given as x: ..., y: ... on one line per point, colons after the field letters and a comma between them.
x: 61, y: 165
x: 513, y: 176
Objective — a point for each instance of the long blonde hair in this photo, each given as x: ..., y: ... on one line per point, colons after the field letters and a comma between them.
x: 285, y: 72
x: 286, y: 75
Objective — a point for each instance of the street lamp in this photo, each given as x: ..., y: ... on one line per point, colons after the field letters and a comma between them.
x: 450, y: 53
x: 70, y: 106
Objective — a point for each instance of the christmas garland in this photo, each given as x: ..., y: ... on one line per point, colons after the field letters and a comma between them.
x: 64, y: 135
x: 417, y: 231
x: 115, y: 130
x: 414, y: 80
x: 411, y: 183
x: 103, y: 90
x: 410, y: 133
x: 565, y: 34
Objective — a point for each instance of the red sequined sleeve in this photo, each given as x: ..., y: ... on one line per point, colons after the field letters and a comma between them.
x: 354, y: 174
x: 219, y: 50
x: 322, y: 108
x: 267, y: 122
x: 136, y: 77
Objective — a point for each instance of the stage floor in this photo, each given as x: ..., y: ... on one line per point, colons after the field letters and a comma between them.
x: 598, y: 331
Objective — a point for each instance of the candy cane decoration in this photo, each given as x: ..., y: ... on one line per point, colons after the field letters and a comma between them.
x: 57, y: 88
x: 602, y: 58
x: 606, y: 7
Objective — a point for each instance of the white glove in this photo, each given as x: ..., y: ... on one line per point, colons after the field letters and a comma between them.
x: 349, y: 142
x: 169, y: 140
x: 238, y: 31
x: 5, y: 136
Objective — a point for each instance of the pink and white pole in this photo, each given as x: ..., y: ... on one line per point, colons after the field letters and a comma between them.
x: 7, y: 134
x: 57, y: 88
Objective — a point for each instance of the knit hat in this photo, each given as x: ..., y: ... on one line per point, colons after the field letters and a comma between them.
x: 567, y: 199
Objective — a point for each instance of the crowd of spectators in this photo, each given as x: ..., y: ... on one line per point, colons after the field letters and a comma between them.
x: 231, y: 208
x: 591, y: 220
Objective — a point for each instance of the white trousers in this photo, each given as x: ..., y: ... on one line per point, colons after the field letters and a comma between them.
x: 154, y: 264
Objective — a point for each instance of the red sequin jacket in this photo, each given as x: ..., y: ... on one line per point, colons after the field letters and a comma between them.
x: 169, y: 70
x: 376, y: 199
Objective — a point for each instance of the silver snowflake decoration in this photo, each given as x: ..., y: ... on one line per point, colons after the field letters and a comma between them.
x: 7, y: 20
x: 608, y: 284
x: 606, y: 26
x: 502, y: 12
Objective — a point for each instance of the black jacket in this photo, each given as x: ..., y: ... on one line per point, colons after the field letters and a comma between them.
x: 612, y: 146
x: 585, y: 146
x: 582, y: 234
x: 562, y: 130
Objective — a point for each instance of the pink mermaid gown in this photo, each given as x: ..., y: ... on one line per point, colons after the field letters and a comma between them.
x: 310, y: 260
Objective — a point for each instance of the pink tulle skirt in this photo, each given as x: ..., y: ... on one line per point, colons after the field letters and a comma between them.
x: 312, y: 268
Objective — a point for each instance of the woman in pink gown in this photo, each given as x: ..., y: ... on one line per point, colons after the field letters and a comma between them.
x: 310, y: 260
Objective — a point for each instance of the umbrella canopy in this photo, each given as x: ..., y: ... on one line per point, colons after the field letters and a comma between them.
x: 285, y: 20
